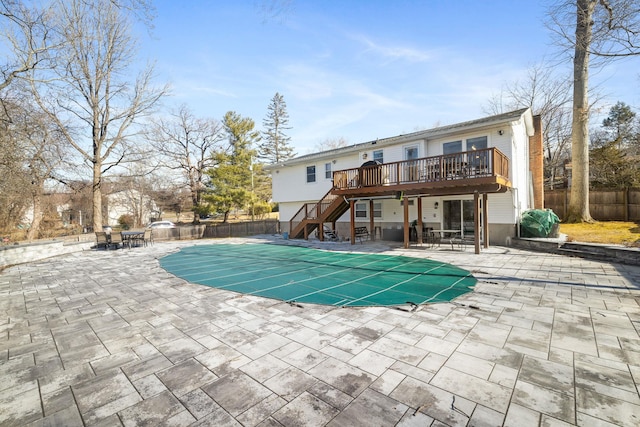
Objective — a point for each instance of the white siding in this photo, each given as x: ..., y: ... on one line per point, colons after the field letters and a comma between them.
x: 519, y: 162
x: 291, y: 190
x: 290, y: 183
x: 393, y: 154
x: 501, y: 208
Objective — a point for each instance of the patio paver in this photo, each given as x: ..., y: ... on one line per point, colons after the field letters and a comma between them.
x: 110, y: 338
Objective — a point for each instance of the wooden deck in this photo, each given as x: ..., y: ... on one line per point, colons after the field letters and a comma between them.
x: 484, y: 171
x: 470, y: 172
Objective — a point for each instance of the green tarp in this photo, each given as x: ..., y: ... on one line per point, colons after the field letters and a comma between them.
x: 539, y: 223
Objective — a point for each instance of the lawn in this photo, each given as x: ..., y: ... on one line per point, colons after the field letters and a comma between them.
x: 615, y: 232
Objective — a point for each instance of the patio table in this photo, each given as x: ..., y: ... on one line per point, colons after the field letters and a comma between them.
x: 128, y: 237
x: 453, y: 234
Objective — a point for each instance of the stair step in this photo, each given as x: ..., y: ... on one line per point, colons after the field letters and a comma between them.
x: 584, y: 253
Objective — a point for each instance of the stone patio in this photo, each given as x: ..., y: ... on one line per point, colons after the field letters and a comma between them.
x: 108, y: 338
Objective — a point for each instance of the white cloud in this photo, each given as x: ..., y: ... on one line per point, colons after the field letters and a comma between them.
x: 391, y: 53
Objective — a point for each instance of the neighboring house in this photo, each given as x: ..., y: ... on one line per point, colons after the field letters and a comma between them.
x: 476, y: 175
x: 129, y: 202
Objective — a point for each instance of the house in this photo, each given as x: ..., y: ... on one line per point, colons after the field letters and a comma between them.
x: 129, y: 202
x: 475, y: 177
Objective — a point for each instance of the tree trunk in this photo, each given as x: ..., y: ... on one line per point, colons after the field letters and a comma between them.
x: 196, y: 205
x: 97, y: 196
x: 34, y: 229
x: 578, y: 210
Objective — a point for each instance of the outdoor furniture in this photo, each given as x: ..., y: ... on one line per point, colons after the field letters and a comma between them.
x: 116, y: 239
x: 132, y: 237
x: 147, y: 237
x: 452, y: 236
x: 362, y: 232
x: 102, y: 240
x: 427, y: 236
x: 330, y: 234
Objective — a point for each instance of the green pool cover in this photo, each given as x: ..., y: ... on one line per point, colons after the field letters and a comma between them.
x: 305, y: 275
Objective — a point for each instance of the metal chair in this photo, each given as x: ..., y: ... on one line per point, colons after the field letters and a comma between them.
x: 116, y: 239
x: 147, y: 238
x: 102, y: 240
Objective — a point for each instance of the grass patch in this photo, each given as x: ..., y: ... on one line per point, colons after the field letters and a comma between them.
x: 613, y: 232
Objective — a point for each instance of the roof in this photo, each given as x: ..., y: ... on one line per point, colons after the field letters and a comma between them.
x: 508, y: 117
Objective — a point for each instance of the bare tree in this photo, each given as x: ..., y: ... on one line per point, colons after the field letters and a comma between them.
x: 41, y: 150
x: 136, y: 192
x: 330, y: 144
x: 606, y: 29
x: 33, y: 146
x: 186, y: 144
x: 14, y: 181
x: 274, y: 9
x: 27, y: 34
x: 89, y: 97
x: 549, y: 96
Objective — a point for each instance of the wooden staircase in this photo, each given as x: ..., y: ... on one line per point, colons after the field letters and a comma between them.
x: 312, y: 215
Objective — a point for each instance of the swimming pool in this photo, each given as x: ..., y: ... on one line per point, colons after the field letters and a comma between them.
x: 314, y: 276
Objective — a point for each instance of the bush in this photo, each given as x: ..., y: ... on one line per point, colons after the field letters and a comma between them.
x: 126, y: 221
x: 260, y: 209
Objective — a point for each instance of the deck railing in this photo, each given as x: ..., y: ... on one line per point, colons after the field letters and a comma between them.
x: 464, y: 165
x: 312, y: 210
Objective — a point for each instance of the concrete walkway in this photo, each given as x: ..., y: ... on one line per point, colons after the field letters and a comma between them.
x: 108, y: 338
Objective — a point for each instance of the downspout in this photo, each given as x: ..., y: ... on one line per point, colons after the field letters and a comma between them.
x: 516, y: 206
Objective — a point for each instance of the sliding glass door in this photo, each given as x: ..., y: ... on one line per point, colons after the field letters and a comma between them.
x: 459, y: 215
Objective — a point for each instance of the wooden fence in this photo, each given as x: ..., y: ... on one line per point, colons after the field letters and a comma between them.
x: 242, y: 229
x: 604, y: 205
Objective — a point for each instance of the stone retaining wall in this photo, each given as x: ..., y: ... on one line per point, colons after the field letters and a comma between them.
x: 609, y: 253
x: 28, y: 252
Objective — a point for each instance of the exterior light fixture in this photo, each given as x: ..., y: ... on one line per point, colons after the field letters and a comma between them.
x: 435, y: 205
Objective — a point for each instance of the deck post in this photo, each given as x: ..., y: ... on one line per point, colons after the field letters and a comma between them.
x: 352, y: 220
x: 405, y: 204
x: 485, y: 218
x: 476, y: 221
x: 321, y: 231
x: 419, y: 226
x: 371, y: 233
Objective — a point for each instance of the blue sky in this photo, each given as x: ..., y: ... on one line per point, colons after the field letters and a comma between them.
x: 359, y: 70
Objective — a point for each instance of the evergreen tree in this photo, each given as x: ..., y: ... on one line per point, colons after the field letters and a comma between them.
x: 275, y: 147
x: 621, y: 126
x: 231, y: 179
x: 613, y: 168
x: 613, y: 161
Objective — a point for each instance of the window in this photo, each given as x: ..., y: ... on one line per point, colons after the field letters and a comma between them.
x: 362, y: 208
x: 411, y: 153
x: 452, y: 147
x: 377, y: 210
x: 479, y: 143
x: 478, y: 160
x: 311, y: 174
x: 327, y: 171
x: 377, y: 155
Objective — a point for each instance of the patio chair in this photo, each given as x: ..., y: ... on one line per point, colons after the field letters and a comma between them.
x: 330, y: 234
x: 147, y: 238
x: 102, y: 240
x: 433, y: 238
x: 116, y: 239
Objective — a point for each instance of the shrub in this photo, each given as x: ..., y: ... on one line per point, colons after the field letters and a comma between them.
x: 126, y: 221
